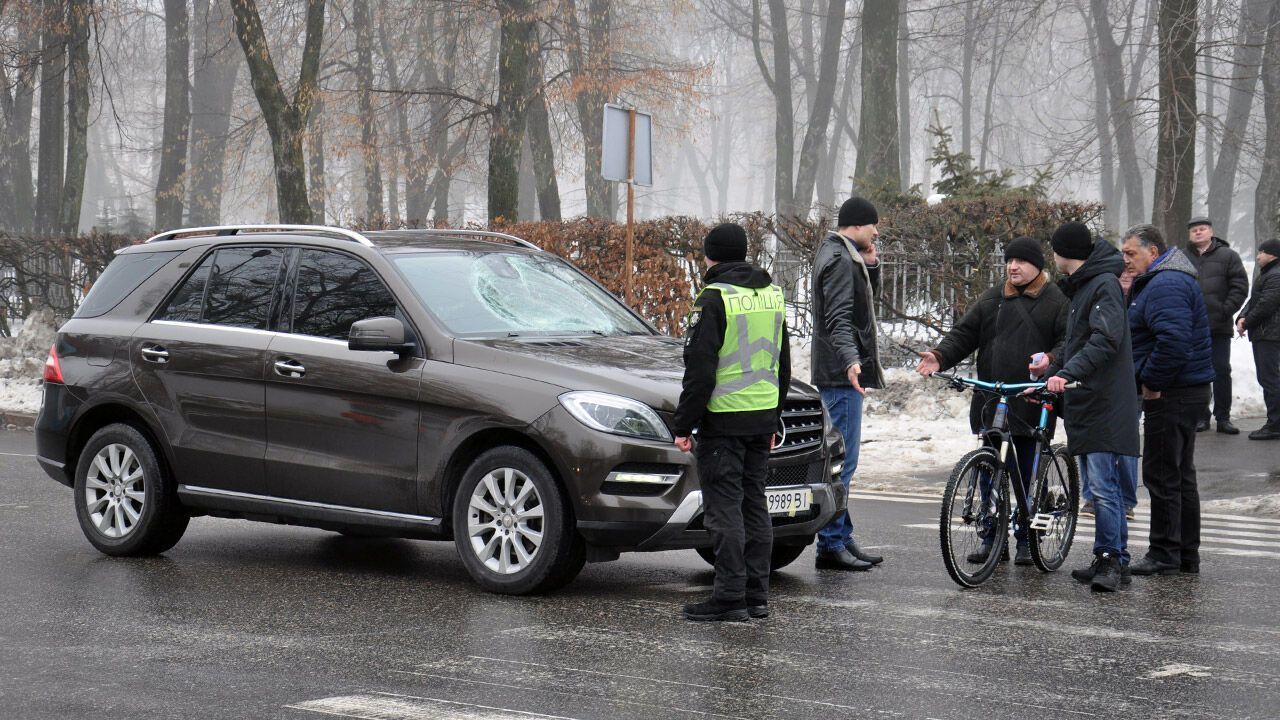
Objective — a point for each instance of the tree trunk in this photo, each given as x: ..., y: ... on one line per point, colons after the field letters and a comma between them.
x: 362, y: 19
x: 815, y: 136
x: 1121, y: 112
x: 508, y: 115
x: 1106, y: 157
x: 1266, y: 205
x: 285, y: 119
x: 15, y: 151
x: 1176, y: 146
x: 970, y: 48
x: 541, y: 146
x: 878, y: 159
x: 904, y: 101
x: 784, y: 133
x: 177, y: 115
x: 1245, y: 65
x: 318, y: 184
x: 216, y: 64
x: 401, y: 157
x: 52, y: 115
x: 1210, y: 92
x: 589, y: 65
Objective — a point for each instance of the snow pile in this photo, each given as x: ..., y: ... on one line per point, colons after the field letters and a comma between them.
x: 22, y: 363
x: 1249, y: 505
x: 913, y: 431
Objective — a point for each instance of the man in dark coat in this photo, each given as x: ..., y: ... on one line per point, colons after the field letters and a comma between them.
x: 1225, y: 284
x: 736, y: 410
x: 1173, y: 364
x: 1261, y: 319
x: 1101, y: 416
x: 846, y: 278
x: 1012, y: 325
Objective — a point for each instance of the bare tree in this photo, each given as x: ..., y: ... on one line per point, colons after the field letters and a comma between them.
x: 1176, y: 144
x: 177, y: 115
x: 49, y: 171
x: 506, y: 132
x: 1245, y: 65
x: 216, y: 63
x: 1266, y: 205
x: 285, y: 119
x: 1121, y: 108
x: 362, y: 19
x: 878, y: 158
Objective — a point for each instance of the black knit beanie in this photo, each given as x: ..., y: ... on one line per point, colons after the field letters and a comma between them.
x: 726, y: 243
x: 1270, y: 247
x: 857, y: 211
x: 1072, y: 240
x: 1025, y: 248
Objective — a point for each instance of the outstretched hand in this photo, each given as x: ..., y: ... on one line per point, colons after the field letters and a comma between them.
x: 928, y: 364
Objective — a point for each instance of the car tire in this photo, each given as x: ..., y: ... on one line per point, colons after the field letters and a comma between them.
x: 126, y: 502
x: 513, y: 527
x: 782, y: 555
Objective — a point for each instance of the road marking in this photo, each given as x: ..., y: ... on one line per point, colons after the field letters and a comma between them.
x: 1212, y: 543
x: 596, y: 672
x: 1173, y: 669
x: 389, y: 706
x: 6, y: 454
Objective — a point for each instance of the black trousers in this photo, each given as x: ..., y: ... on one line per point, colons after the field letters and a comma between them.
x: 1169, y: 472
x: 1221, y: 380
x: 732, y: 471
x: 1266, y: 358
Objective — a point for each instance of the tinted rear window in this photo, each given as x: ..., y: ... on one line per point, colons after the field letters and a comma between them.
x: 122, y: 276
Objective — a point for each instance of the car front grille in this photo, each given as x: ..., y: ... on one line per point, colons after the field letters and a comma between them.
x: 803, y: 422
x: 807, y: 474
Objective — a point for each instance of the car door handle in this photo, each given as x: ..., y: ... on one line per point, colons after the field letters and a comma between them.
x: 290, y: 368
x: 155, y: 354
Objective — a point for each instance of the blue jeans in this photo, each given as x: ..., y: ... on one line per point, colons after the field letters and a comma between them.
x: 1105, y: 474
x: 844, y: 405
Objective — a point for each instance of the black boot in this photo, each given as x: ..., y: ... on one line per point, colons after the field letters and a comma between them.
x: 1106, y: 577
x: 1023, y: 556
x: 854, y: 550
x: 1085, y: 574
x: 1202, y: 425
x: 980, y: 555
x: 840, y: 559
x: 1147, y: 566
x: 1266, y: 432
x: 716, y: 611
x: 1226, y: 428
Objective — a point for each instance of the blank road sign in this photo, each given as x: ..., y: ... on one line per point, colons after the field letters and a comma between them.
x: 613, y: 161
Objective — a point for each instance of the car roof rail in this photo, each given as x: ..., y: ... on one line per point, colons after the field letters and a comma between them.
x: 481, y: 233
x: 224, y: 230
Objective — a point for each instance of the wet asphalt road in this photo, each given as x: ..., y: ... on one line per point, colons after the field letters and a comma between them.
x: 246, y: 620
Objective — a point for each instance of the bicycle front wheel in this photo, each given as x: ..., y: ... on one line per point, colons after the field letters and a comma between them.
x: 975, y: 515
x: 1054, y: 495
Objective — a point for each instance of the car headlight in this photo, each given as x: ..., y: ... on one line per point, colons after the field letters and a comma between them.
x: 615, y: 414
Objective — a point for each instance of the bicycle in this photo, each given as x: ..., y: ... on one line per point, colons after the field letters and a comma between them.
x: 968, y: 518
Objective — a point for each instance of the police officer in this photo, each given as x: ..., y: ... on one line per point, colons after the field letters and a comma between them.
x: 737, y: 368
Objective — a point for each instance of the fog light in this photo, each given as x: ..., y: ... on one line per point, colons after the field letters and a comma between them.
x: 837, y: 467
x: 643, y: 478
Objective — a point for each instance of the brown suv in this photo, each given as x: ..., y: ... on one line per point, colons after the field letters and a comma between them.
x: 427, y: 384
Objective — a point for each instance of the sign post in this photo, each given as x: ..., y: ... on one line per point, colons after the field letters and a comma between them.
x: 627, y: 157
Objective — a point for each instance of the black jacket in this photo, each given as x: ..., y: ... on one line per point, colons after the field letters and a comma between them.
x: 843, y: 331
x: 702, y: 357
x: 1102, y: 416
x: 1005, y: 343
x: 1260, y: 315
x: 1224, y: 282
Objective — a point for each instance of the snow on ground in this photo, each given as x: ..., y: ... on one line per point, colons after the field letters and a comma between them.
x: 1249, y: 505
x: 22, y: 363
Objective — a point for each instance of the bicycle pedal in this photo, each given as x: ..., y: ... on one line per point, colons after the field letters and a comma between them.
x: 1042, y: 521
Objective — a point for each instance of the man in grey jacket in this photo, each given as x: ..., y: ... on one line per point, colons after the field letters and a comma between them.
x: 1225, y: 284
x: 846, y: 277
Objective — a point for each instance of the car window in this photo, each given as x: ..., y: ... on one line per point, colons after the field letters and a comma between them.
x: 123, y: 275
x: 241, y: 282
x: 333, y: 291
x: 188, y: 302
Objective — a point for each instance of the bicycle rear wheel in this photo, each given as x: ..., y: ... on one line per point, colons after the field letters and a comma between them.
x: 967, y: 521
x: 1054, y: 494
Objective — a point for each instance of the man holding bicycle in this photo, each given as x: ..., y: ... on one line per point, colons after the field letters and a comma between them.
x: 1102, y: 416
x: 1025, y: 316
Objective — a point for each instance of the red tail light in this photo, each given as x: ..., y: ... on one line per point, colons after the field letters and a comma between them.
x: 52, y: 367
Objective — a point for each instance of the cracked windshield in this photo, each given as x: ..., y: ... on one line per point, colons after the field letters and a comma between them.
x: 514, y: 295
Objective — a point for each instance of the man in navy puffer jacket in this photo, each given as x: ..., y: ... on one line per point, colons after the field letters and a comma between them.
x: 1173, y: 362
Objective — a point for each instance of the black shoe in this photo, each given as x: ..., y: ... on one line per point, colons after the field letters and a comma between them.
x: 840, y: 559
x: 1129, y: 514
x: 857, y: 552
x: 715, y: 611
x: 1087, y: 508
x: 1226, y: 428
x: 1266, y: 432
x: 758, y: 611
x: 1147, y: 566
x: 1189, y: 568
x: 1106, y: 576
x: 1085, y: 574
x: 1023, y: 556
x: 1202, y: 425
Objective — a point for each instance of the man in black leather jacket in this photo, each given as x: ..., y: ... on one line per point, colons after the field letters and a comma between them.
x: 846, y: 278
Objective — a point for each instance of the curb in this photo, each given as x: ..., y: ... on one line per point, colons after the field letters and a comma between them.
x: 17, y: 421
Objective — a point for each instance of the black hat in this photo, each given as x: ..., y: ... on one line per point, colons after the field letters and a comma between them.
x: 726, y: 243
x: 1270, y: 247
x: 1199, y: 220
x: 857, y: 211
x: 1072, y: 240
x: 1025, y: 248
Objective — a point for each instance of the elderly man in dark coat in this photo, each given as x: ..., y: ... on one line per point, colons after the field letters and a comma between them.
x: 1101, y: 416
x: 1009, y: 325
x: 1225, y: 284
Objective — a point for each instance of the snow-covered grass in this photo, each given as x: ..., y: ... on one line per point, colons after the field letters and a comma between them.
x: 22, y: 363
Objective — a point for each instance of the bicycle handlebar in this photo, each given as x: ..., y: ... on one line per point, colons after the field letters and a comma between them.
x: 998, y: 387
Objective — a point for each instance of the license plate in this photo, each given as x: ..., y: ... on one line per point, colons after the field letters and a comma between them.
x: 788, y: 502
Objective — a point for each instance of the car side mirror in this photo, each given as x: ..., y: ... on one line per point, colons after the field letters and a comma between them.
x: 379, y: 334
